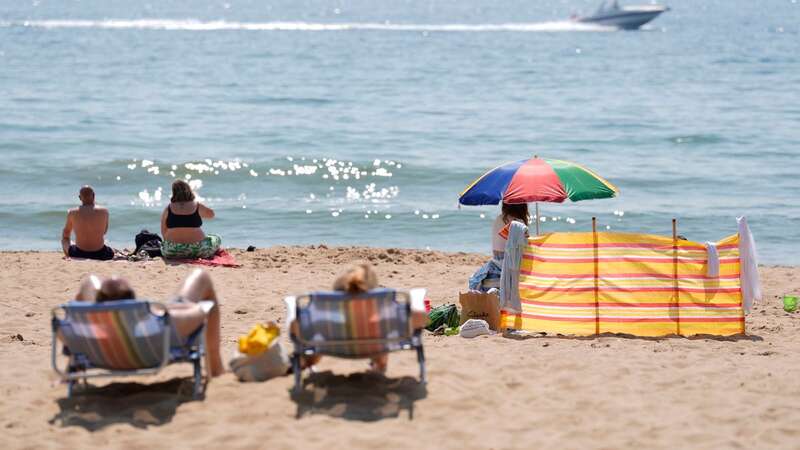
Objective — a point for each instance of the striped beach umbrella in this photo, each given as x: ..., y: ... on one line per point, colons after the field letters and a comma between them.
x: 537, y: 180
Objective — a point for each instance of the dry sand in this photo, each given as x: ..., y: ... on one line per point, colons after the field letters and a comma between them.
x: 488, y: 392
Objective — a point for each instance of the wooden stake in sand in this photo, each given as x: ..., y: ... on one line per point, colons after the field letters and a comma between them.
x: 675, y: 287
x: 596, y: 277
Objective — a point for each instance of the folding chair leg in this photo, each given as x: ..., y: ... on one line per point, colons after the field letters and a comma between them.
x: 423, y: 378
x: 70, y: 388
x: 197, y: 387
x: 298, y: 376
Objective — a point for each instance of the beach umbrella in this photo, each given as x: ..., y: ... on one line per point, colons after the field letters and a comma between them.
x: 537, y: 180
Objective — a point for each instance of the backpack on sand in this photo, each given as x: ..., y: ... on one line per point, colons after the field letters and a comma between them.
x: 149, y: 242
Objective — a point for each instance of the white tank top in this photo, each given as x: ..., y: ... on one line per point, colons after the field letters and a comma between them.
x: 498, y: 243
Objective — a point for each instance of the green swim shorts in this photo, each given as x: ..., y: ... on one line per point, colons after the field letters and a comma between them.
x: 205, y: 249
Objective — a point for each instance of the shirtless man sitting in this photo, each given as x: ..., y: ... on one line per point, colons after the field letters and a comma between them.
x: 90, y: 223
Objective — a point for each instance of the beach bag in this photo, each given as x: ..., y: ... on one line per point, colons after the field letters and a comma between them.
x: 481, y: 306
x: 148, y: 242
x: 263, y: 356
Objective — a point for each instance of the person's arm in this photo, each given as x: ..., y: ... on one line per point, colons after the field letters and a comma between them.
x: 66, y: 233
x: 108, y: 219
x: 164, y: 223
x: 205, y: 211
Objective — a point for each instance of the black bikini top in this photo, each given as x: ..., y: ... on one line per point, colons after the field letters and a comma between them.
x: 184, y: 220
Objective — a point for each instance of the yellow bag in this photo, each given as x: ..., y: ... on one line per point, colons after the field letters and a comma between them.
x: 258, y: 339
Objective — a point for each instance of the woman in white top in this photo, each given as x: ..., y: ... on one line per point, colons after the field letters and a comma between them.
x: 508, y: 214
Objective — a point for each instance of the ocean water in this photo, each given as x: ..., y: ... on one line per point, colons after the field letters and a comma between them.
x: 360, y: 122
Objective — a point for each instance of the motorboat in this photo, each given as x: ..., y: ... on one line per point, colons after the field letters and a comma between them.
x: 610, y: 14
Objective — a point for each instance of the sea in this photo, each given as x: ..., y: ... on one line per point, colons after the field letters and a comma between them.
x: 359, y: 122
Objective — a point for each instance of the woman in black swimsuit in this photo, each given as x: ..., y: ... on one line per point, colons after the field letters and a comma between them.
x: 181, y: 225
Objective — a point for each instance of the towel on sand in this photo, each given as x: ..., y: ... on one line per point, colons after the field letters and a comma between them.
x: 509, y: 277
x: 221, y: 259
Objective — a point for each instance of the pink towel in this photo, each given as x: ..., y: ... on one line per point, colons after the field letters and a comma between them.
x: 221, y: 259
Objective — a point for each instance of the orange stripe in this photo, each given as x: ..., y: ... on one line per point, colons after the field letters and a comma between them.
x: 103, y: 329
x: 632, y: 319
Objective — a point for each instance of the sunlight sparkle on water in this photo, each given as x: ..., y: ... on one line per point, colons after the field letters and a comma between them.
x: 337, y: 171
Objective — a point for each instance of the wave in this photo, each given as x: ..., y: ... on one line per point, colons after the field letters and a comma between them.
x: 220, y: 25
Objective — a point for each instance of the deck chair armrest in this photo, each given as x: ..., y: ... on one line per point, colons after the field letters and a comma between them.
x: 417, y: 299
x: 291, y: 313
x: 291, y: 308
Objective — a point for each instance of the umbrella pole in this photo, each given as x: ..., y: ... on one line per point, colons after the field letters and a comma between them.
x: 537, y: 218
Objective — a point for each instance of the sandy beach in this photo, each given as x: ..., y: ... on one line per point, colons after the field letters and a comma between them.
x: 488, y: 392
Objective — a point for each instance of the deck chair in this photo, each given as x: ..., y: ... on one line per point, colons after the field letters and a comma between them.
x: 121, y: 338
x: 354, y: 326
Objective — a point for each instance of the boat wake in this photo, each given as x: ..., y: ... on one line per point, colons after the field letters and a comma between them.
x: 221, y: 25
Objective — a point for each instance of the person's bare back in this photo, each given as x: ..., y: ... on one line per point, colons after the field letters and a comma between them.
x: 89, y: 222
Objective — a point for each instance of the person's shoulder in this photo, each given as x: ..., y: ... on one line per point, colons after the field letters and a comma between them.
x: 101, y: 209
x: 73, y: 211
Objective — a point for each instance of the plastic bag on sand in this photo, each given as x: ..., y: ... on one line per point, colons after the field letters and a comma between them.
x: 261, y: 355
x: 446, y: 315
x: 474, y: 327
x: 270, y: 364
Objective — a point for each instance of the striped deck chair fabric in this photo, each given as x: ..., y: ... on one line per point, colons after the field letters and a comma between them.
x: 336, y: 316
x: 120, y: 335
x: 639, y: 284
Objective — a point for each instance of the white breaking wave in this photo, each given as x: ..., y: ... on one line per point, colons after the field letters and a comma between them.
x: 196, y: 25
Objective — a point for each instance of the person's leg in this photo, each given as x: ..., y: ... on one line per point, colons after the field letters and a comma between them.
x: 199, y: 287
x: 305, y: 361
x: 419, y: 319
x: 209, y: 246
x: 89, y: 288
x: 378, y: 364
x: 175, y: 250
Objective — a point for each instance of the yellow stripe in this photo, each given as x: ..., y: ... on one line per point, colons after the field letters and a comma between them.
x: 594, y: 174
x: 705, y: 308
x: 482, y: 177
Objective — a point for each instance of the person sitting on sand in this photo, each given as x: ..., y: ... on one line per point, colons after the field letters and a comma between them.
x: 183, y: 309
x: 358, y: 279
x: 90, y: 224
x: 508, y: 213
x: 181, y: 226
x: 488, y: 275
